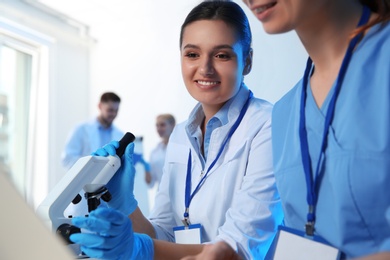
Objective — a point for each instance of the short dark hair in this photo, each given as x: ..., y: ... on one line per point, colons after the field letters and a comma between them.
x: 109, y: 96
x: 226, y: 11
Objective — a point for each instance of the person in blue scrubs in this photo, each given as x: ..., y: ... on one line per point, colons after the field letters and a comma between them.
x: 338, y: 119
x: 218, y: 182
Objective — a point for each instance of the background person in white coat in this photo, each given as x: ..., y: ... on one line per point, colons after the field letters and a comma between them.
x: 164, y: 126
x: 153, y: 169
x: 88, y: 136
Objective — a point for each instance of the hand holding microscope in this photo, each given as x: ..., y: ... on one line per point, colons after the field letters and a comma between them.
x: 89, y: 173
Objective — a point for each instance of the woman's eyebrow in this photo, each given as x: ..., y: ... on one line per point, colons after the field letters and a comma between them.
x: 222, y: 46
x: 191, y: 46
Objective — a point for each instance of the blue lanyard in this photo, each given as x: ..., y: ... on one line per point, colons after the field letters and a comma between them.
x: 188, y: 195
x: 312, y: 185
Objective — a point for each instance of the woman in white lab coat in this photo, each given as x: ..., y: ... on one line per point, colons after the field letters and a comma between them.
x: 218, y: 182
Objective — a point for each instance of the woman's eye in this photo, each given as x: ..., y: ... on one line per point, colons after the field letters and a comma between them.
x: 222, y: 56
x: 191, y: 55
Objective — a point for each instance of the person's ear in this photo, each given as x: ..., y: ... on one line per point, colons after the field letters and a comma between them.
x: 248, y: 62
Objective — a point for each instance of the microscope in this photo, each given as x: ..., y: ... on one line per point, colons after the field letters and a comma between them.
x: 89, y: 173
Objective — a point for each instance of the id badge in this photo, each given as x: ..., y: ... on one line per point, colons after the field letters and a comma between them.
x: 294, y: 244
x: 190, y: 234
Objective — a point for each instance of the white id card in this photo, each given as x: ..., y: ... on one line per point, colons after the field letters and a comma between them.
x: 293, y: 244
x: 188, y: 235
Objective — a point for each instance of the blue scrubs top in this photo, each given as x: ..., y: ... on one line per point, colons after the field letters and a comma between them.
x: 354, y: 191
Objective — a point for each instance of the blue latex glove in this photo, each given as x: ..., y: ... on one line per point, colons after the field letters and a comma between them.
x: 112, y: 237
x: 121, y: 185
x: 147, y: 166
x: 138, y: 158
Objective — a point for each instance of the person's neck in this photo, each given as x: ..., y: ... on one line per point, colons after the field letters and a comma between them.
x: 165, y: 140
x: 103, y: 122
x: 326, y: 41
x: 326, y: 37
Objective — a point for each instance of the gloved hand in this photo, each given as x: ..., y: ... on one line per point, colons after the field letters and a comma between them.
x: 138, y: 158
x: 121, y: 185
x: 147, y: 166
x: 112, y: 237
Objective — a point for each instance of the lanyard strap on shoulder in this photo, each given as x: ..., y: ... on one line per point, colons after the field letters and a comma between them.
x: 312, y: 181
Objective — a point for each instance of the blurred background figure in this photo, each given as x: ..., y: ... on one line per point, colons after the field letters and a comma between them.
x: 164, y: 126
x: 154, y: 168
x: 88, y: 136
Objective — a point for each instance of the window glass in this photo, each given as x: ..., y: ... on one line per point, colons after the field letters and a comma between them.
x: 15, y: 85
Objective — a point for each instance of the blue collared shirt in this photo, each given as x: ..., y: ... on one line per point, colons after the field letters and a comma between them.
x: 86, y: 138
x: 218, y: 120
x: 105, y: 134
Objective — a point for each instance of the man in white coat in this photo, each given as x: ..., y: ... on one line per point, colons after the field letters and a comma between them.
x: 88, y: 136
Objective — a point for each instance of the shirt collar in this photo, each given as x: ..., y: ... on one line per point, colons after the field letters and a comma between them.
x: 100, y: 126
x: 228, y: 113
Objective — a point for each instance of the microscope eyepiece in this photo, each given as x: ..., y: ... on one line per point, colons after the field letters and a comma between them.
x: 126, y: 139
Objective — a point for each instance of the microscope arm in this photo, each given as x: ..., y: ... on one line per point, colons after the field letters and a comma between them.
x: 89, y: 173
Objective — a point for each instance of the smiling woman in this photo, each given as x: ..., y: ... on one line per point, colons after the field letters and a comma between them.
x: 210, y: 62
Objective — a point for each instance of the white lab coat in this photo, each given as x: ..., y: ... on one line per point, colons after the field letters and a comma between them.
x: 238, y: 202
x: 157, y: 159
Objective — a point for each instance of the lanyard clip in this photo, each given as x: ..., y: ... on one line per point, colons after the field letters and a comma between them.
x: 186, y: 221
x: 309, y: 228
